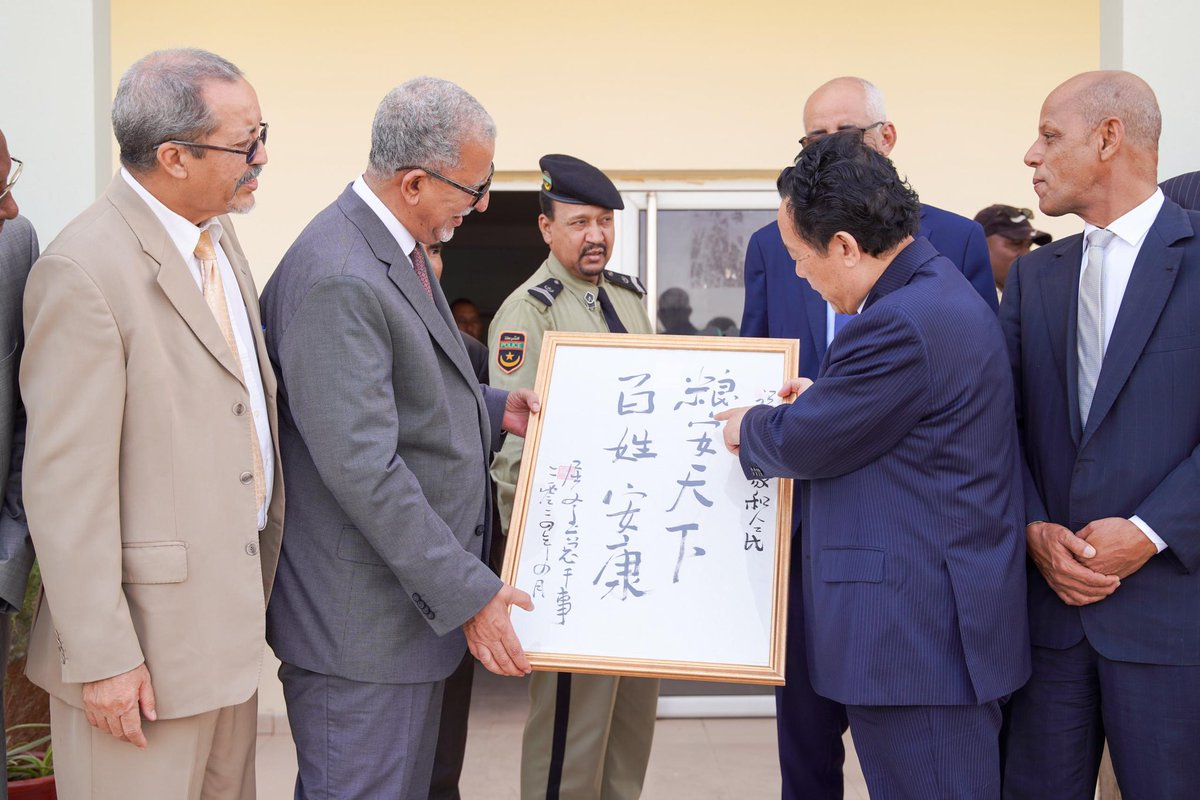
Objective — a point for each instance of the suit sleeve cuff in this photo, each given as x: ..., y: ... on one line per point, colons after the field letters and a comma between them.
x: 1150, y: 534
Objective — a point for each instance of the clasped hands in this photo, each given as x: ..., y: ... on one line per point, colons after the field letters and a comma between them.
x: 1088, y: 566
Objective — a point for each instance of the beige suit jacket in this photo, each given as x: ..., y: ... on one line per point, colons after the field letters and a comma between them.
x: 138, y: 487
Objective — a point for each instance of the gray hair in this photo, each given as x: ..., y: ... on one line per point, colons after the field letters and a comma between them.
x: 874, y: 100
x: 424, y: 122
x: 1126, y: 96
x: 161, y: 97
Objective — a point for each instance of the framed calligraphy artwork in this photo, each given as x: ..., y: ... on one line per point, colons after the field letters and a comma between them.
x: 644, y: 547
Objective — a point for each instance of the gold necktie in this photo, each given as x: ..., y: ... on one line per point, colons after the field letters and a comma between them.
x: 214, y: 295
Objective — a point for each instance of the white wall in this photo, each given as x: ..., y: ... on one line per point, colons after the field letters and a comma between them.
x: 1157, y: 40
x: 54, y: 104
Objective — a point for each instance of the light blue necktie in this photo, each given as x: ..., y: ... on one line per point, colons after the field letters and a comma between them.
x: 1089, y: 339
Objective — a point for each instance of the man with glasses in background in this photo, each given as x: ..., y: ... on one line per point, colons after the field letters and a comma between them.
x: 386, y: 440
x: 779, y: 304
x: 18, y: 251
x: 151, y: 485
x: 1010, y: 235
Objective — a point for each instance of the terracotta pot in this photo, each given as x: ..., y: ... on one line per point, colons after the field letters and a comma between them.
x: 33, y: 789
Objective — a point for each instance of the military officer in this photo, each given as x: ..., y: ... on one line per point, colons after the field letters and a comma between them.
x: 587, y: 736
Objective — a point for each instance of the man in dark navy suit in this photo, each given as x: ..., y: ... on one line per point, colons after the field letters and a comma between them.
x: 1103, y: 330
x: 780, y: 305
x: 907, y: 454
x: 1184, y: 189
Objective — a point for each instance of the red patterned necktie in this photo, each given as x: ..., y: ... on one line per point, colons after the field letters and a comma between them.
x: 418, y: 262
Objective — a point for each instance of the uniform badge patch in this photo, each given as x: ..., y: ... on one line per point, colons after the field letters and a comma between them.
x: 510, y: 351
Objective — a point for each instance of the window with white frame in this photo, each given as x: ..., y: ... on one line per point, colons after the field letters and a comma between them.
x: 689, y: 247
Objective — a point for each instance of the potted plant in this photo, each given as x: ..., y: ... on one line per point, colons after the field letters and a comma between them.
x: 30, y: 762
x: 30, y: 765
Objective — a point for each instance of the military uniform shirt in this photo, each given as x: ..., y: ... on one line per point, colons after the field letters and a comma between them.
x: 524, y: 317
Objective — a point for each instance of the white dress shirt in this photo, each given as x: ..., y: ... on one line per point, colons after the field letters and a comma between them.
x: 405, y: 239
x: 1122, y: 251
x: 186, y: 236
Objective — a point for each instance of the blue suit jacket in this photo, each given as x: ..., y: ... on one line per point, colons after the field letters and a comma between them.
x: 907, y: 452
x: 1140, y: 453
x: 1184, y: 189
x: 783, y: 306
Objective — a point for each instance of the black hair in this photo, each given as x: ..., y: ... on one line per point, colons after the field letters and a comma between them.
x: 841, y: 184
x: 547, y: 205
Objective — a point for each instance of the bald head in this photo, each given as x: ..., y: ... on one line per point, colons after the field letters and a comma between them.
x: 847, y: 103
x: 1113, y: 93
x: 1096, y: 154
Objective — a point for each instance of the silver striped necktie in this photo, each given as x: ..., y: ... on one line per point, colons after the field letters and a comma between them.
x: 1089, y: 342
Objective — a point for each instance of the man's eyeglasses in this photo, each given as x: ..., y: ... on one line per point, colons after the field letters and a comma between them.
x: 13, y: 174
x: 817, y: 136
x: 249, y: 152
x: 476, y: 194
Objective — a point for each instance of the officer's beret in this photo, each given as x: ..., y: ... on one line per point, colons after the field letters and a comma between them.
x: 569, y: 180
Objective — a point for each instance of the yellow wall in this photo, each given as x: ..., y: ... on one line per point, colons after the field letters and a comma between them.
x: 635, y: 86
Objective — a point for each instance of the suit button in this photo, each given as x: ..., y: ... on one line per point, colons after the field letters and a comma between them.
x: 239, y: 409
x: 246, y: 478
x: 479, y: 530
x: 251, y: 548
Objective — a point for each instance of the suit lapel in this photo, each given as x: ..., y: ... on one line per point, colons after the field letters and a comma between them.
x: 1060, y: 299
x: 1150, y: 283
x: 241, y: 271
x: 173, y: 275
x: 434, y: 315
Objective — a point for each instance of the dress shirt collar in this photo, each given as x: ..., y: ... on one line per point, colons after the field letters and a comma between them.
x: 1134, y: 224
x: 395, y: 228
x: 183, y: 233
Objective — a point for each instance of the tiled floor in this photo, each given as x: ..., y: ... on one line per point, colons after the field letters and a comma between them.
x: 698, y: 759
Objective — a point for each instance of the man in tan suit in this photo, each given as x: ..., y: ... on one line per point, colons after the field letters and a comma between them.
x: 152, y: 492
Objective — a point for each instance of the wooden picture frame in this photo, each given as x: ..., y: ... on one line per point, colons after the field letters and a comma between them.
x: 625, y: 421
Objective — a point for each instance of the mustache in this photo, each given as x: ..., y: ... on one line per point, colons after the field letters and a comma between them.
x: 250, y: 175
x: 592, y: 248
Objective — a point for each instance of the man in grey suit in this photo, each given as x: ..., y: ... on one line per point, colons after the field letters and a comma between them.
x: 18, y: 251
x: 385, y: 438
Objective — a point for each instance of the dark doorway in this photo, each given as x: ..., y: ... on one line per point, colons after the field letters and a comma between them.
x: 493, y: 253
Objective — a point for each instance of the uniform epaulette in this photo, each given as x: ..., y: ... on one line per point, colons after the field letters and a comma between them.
x: 547, y: 291
x: 629, y: 282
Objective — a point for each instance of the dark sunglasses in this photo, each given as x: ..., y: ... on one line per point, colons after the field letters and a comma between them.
x: 249, y: 152
x: 476, y: 194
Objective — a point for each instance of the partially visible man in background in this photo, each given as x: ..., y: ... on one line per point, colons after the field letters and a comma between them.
x: 18, y: 251
x: 467, y: 317
x: 1184, y: 189
x: 1010, y: 235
